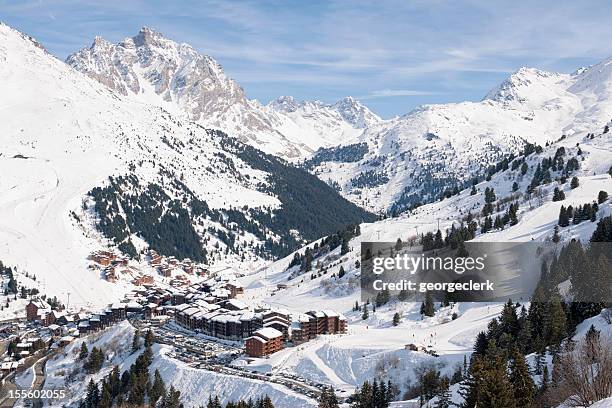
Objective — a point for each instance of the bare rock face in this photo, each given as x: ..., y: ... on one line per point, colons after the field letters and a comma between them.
x: 151, y: 64
x: 175, y: 76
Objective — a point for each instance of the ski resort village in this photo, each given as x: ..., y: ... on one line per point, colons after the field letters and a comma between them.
x: 166, y: 241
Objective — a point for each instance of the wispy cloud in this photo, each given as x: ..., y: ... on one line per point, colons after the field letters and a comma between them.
x: 407, y: 52
x: 389, y: 93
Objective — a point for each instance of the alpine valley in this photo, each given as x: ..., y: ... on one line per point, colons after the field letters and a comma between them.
x: 141, y: 166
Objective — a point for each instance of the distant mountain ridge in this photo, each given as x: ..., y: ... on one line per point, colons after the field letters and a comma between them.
x: 437, y: 149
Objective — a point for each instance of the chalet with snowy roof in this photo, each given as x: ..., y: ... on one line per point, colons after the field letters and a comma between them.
x: 303, y: 329
x: 134, y: 307
x: 110, y: 274
x: 234, y: 304
x: 64, y: 319
x: 119, y: 311
x: 35, y: 309
x: 156, y: 259
x: 279, y: 320
x: 150, y: 310
x: 64, y: 341
x: 264, y: 342
x: 48, y: 317
x: 103, y: 258
x: 235, y: 288
x: 165, y: 271
x: 55, y: 329
x: 9, y: 366
x: 143, y: 280
x: 24, y: 345
x: 329, y: 322
x: 95, y: 323
x: 178, y: 297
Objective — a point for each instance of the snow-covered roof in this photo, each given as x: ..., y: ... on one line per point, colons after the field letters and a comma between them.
x: 331, y: 313
x: 268, y: 333
x: 237, y: 304
x: 182, y: 307
x: 304, y: 318
x: 191, y: 311
x: 233, y: 318
x: 134, y: 305
x: 247, y: 316
x: 221, y: 318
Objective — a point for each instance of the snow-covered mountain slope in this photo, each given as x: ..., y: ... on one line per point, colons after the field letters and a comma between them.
x: 195, y: 385
x: 374, y: 347
x: 85, y: 168
x: 161, y: 72
x: 321, y: 124
x: 396, y: 164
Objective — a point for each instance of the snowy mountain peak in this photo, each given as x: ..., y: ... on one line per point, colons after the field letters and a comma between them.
x: 526, y: 83
x: 147, y: 35
x: 348, y: 109
x: 356, y: 113
x: 284, y: 104
x: 596, y: 79
x: 159, y: 71
x: 7, y: 31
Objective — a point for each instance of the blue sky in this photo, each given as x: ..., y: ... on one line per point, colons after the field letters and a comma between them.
x: 393, y: 55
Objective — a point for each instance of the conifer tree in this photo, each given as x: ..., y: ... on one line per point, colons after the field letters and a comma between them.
x: 496, y: 387
x: 158, y: 389
x: 544, y: 381
x: 84, y: 352
x: 471, y: 387
x: 512, y: 210
x: 444, y: 396
x: 555, y: 322
x: 396, y: 319
x: 149, y: 339
x: 402, y: 295
x: 480, y: 346
x: 556, y: 237
x: 558, y: 195
x: 344, y: 248
x: 171, y: 399
x: 509, y: 320
x: 563, y: 217
x: 398, y: 244
x: 92, y: 398
x: 520, y: 378
x: 328, y: 398
x: 136, y: 341
x: 428, y: 309
x: 213, y: 402
x: 106, y: 401
x: 365, y: 314
x: 574, y: 183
